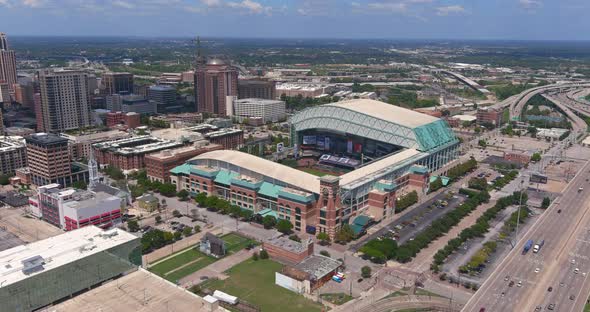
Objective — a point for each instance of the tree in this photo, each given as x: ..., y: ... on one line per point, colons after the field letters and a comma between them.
x: 466, y: 124
x: 325, y: 253
x: 133, y: 226
x: 482, y: 143
x: 187, y: 231
x: 436, y: 185
x: 284, y: 226
x: 201, y: 199
x: 324, y: 238
x: 177, y: 235
x: 366, y: 271
x: 255, y: 256
x: 269, y: 222
x: 158, y: 219
x: 81, y: 185
x: 197, y: 228
x: 345, y: 234
x: 167, y: 189
x: 536, y: 157
x: 176, y: 214
x: 295, y: 238
x: 263, y: 254
x: 182, y: 195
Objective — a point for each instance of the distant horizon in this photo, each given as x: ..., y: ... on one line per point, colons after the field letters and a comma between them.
x: 519, y: 20
x: 10, y: 36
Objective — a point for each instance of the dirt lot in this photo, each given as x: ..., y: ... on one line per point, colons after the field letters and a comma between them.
x: 27, y: 229
x: 518, y: 143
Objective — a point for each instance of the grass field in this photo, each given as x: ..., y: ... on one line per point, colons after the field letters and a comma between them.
x: 235, y: 242
x: 313, y: 171
x: 185, y: 263
x: 254, y: 282
x: 189, y: 261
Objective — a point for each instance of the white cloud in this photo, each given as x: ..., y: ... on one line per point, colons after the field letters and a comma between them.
x: 211, y: 3
x: 123, y: 4
x: 316, y: 7
x: 249, y: 5
x: 450, y: 9
x: 397, y: 7
x: 34, y: 3
x: 530, y: 4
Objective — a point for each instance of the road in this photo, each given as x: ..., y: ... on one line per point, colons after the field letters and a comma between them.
x: 565, y: 228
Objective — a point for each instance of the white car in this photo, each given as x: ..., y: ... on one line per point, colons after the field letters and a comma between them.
x: 537, y: 270
x: 519, y: 284
x: 576, y: 271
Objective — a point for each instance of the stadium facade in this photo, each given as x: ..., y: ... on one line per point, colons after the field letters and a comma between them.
x: 373, y: 151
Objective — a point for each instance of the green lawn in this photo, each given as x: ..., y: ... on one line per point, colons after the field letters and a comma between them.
x: 254, y: 282
x: 235, y: 242
x: 313, y: 171
x: 168, y: 269
x: 587, y: 307
x: 337, y: 299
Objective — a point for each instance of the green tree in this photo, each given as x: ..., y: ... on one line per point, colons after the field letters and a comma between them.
x: 536, y: 157
x: 269, y: 222
x: 187, y: 231
x: 345, y: 234
x: 366, y: 271
x: 158, y: 219
x: 284, y: 226
x: 255, y: 256
x: 325, y: 253
x: 182, y: 195
x: 436, y: 185
x: 177, y: 235
x: 81, y: 185
x: 167, y: 189
x: 176, y: 214
x: 133, y: 226
x: 263, y: 254
x: 201, y: 199
x: 197, y: 228
x: 324, y: 238
x: 482, y: 143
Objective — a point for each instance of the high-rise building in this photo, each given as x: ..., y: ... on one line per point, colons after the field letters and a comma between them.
x: 117, y: 82
x: 257, y: 89
x: 65, y: 100
x: 3, y: 42
x: 4, y: 92
x: 164, y: 97
x: 7, y: 63
x: 12, y: 154
x: 216, y: 83
x: 49, y: 160
x: 23, y: 94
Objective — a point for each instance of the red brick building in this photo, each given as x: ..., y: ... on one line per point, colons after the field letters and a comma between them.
x: 228, y: 138
x: 489, y: 115
x: 130, y: 153
x: 286, y: 250
x: 159, y: 164
x: 130, y: 120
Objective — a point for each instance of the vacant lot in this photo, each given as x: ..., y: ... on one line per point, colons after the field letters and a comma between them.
x: 183, y: 264
x: 188, y: 261
x: 235, y: 242
x: 254, y: 282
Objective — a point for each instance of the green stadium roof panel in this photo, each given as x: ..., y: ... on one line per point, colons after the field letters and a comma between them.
x: 225, y: 177
x: 269, y: 190
x: 182, y: 169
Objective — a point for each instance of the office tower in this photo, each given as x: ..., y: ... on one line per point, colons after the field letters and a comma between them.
x: 4, y: 92
x: 117, y: 83
x: 65, y: 100
x: 257, y: 89
x: 3, y: 42
x: 164, y: 97
x: 23, y: 94
x: 214, y: 83
x: 49, y: 161
x: 7, y: 63
x: 12, y: 154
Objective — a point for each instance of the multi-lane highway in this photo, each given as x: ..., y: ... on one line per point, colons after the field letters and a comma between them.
x: 555, y: 278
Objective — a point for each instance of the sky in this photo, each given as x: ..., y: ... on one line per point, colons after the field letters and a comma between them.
x: 354, y: 19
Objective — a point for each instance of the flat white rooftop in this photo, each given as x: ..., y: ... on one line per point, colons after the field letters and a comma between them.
x: 388, y: 112
x: 59, y: 250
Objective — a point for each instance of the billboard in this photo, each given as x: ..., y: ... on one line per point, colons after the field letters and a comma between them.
x: 320, y: 142
x: 327, y: 144
x: 309, y: 140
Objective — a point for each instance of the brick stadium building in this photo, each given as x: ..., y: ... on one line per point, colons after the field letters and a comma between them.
x: 228, y: 138
x: 159, y: 164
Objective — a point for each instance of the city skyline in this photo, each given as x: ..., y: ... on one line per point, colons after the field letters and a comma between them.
x: 387, y: 19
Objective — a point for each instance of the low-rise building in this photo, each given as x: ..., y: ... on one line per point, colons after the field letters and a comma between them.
x: 308, y: 275
x: 229, y: 138
x: 48, y: 271
x: 489, y: 115
x: 148, y: 202
x: 159, y: 164
x: 13, y: 154
x: 70, y: 209
x: 267, y: 110
x: 286, y: 250
x: 212, y: 245
x: 129, y: 153
x: 289, y: 89
x: 81, y: 144
x: 188, y: 118
x: 130, y: 120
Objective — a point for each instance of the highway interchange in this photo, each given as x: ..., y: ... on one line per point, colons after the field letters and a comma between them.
x: 556, y: 278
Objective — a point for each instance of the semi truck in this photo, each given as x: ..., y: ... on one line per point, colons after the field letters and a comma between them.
x: 538, y: 246
x: 527, y: 246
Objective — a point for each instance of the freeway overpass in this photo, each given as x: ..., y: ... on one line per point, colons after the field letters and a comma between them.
x: 470, y: 83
